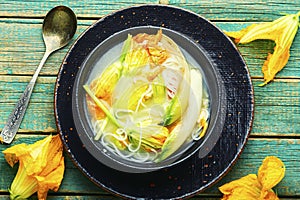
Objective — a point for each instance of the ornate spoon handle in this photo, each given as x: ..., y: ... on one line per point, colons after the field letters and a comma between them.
x: 15, y: 118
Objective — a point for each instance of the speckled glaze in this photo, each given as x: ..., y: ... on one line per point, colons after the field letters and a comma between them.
x: 200, y: 170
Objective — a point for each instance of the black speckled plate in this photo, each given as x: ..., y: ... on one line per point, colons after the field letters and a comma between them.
x: 201, y: 169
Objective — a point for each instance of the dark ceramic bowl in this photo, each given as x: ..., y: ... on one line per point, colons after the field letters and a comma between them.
x: 232, y: 103
x: 102, y: 56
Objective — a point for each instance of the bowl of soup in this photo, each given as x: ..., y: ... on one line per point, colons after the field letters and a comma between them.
x: 147, y: 98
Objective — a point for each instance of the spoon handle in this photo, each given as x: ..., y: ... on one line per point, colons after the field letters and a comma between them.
x: 15, y: 118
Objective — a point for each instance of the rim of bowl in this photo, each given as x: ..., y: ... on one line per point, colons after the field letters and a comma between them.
x: 215, y: 89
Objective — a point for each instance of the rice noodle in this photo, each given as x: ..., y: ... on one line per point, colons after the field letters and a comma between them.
x: 139, y: 132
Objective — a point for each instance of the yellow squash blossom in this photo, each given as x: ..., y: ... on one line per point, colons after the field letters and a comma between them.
x: 252, y: 187
x: 41, y: 167
x: 104, y: 85
x: 282, y: 31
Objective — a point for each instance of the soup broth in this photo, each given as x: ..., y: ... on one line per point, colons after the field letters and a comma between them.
x: 150, y: 102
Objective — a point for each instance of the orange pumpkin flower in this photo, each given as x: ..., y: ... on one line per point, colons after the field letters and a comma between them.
x: 282, y: 31
x: 41, y: 167
x: 256, y: 187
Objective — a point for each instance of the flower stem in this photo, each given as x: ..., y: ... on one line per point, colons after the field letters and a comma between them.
x: 23, y: 186
x: 101, y: 105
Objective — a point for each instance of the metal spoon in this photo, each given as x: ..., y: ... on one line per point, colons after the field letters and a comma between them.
x: 59, y: 27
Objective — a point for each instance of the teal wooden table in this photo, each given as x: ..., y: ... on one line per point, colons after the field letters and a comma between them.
x: 276, y: 127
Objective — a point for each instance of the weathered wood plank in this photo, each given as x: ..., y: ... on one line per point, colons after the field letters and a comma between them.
x: 239, y: 10
x: 277, y: 108
x: 244, y: 10
x: 82, y: 8
x: 255, y: 151
x: 21, y: 49
x: 277, y: 105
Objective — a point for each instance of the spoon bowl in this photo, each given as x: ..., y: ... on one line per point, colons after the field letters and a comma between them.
x: 59, y: 27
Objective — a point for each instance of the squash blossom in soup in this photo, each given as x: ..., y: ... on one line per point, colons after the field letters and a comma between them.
x: 150, y: 102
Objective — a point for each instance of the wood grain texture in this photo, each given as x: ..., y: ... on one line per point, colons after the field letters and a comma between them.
x: 39, y: 8
x: 22, y: 48
x: 255, y: 151
x: 236, y: 10
x: 239, y: 10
